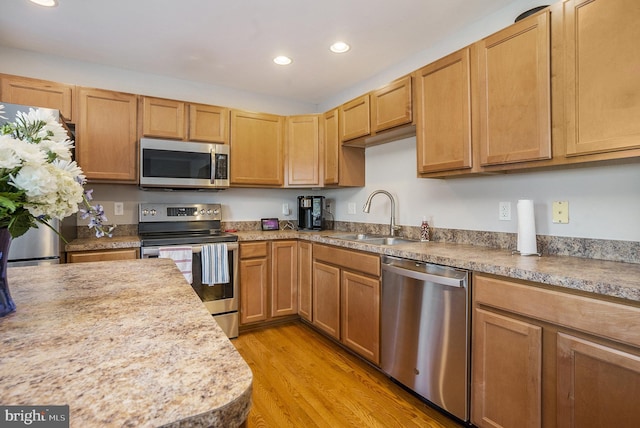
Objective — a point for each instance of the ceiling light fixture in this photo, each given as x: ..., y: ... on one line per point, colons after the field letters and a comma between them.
x: 282, y: 60
x: 339, y: 47
x: 46, y: 3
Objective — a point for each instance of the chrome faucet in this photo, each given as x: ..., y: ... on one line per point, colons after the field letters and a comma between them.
x: 367, y: 206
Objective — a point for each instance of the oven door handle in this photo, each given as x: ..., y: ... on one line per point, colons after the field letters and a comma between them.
x: 195, y: 249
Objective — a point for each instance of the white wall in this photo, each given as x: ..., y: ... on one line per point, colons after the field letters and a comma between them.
x: 604, y: 202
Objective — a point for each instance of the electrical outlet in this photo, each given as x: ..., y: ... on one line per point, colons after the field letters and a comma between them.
x: 351, y: 208
x: 285, y: 209
x: 327, y: 206
x: 504, y: 211
x: 561, y: 212
x: 118, y: 208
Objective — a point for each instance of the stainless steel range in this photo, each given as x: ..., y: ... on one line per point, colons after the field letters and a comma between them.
x: 163, y: 227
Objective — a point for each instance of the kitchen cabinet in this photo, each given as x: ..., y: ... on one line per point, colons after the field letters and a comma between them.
x: 444, y: 127
x: 515, y: 92
x: 257, y: 149
x: 268, y: 280
x: 38, y: 93
x: 284, y: 278
x: 381, y: 116
x: 346, y: 298
x: 601, y: 83
x: 545, y: 357
x: 106, y: 135
x: 343, y: 166
x: 305, y: 280
x: 103, y: 255
x: 355, y: 118
x: 163, y: 118
x: 303, y: 151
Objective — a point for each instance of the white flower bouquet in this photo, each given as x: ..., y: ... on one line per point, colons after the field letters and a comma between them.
x: 39, y: 181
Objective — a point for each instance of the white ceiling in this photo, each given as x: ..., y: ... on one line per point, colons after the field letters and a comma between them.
x: 231, y: 43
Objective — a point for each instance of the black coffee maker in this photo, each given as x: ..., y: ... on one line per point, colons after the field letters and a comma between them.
x: 311, y: 212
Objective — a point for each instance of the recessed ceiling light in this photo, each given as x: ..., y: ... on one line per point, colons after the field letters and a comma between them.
x: 282, y: 60
x: 47, y: 3
x: 339, y: 47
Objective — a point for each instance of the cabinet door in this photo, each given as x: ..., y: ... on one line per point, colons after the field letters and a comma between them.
x: 506, y: 372
x: 391, y: 105
x: 515, y: 93
x: 163, y: 118
x: 331, y: 134
x: 598, y: 386
x: 101, y: 256
x: 208, y: 123
x: 355, y: 119
x: 257, y: 144
x: 602, y: 63
x: 254, y: 281
x: 443, y: 114
x: 361, y: 315
x: 284, y: 278
x: 303, y: 151
x: 38, y: 93
x: 305, y: 278
x: 326, y: 298
x: 106, y: 135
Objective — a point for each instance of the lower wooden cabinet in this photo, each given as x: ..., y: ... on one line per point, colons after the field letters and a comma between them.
x: 305, y: 280
x: 346, y: 298
x: 268, y: 280
x: 547, y: 358
x: 103, y: 255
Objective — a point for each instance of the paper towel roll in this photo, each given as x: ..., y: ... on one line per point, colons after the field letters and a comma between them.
x: 526, y: 228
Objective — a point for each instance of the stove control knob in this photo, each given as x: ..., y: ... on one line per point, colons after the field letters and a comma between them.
x: 216, y: 211
x: 201, y: 211
x: 145, y: 212
x: 209, y: 211
x: 153, y: 212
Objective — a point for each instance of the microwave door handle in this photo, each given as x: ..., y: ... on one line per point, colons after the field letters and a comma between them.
x: 213, y: 166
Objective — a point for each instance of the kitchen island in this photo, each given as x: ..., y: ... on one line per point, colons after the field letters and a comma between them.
x: 123, y: 343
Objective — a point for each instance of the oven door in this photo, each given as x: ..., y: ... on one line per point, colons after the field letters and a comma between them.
x: 221, y: 300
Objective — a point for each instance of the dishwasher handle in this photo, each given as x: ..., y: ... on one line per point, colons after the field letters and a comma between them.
x: 459, y: 280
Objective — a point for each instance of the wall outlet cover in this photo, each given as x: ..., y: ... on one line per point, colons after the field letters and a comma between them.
x: 560, y: 211
x: 504, y: 211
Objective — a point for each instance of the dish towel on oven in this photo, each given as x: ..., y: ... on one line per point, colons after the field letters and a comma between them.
x: 215, y: 264
x: 182, y: 256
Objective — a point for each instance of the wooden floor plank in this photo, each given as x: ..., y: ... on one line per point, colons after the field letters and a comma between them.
x: 303, y: 379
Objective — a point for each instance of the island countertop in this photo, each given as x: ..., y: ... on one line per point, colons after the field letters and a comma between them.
x: 123, y: 343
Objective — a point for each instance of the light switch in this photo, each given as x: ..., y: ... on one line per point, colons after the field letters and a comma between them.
x: 561, y: 212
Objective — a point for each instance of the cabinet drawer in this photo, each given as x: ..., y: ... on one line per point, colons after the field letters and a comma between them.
x: 102, y: 256
x: 350, y: 259
x: 250, y: 250
x: 602, y: 318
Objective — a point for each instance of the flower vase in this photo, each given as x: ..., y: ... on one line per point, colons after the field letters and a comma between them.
x: 6, y: 302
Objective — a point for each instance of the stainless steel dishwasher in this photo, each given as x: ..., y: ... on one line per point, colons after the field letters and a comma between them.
x: 425, y: 331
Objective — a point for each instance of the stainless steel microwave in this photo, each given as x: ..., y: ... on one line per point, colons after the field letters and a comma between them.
x: 183, y: 165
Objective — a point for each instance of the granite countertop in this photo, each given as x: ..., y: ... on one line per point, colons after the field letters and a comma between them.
x: 124, y: 343
x: 605, y: 278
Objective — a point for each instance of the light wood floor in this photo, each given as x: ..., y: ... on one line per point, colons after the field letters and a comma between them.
x: 302, y: 379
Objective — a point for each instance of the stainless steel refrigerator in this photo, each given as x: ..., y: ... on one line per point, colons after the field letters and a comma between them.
x: 41, y: 245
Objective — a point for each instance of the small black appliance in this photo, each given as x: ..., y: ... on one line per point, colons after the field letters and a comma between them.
x: 310, y: 212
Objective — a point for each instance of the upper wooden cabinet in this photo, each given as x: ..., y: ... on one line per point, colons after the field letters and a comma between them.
x: 380, y: 116
x: 391, y: 105
x: 515, y: 93
x: 257, y: 149
x: 163, y: 118
x: 106, y: 135
x: 602, y: 83
x: 38, y: 93
x: 443, y: 114
x: 343, y: 165
x: 303, y: 151
x: 355, y: 118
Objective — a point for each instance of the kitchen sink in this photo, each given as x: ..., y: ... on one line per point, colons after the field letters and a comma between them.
x: 373, y: 239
